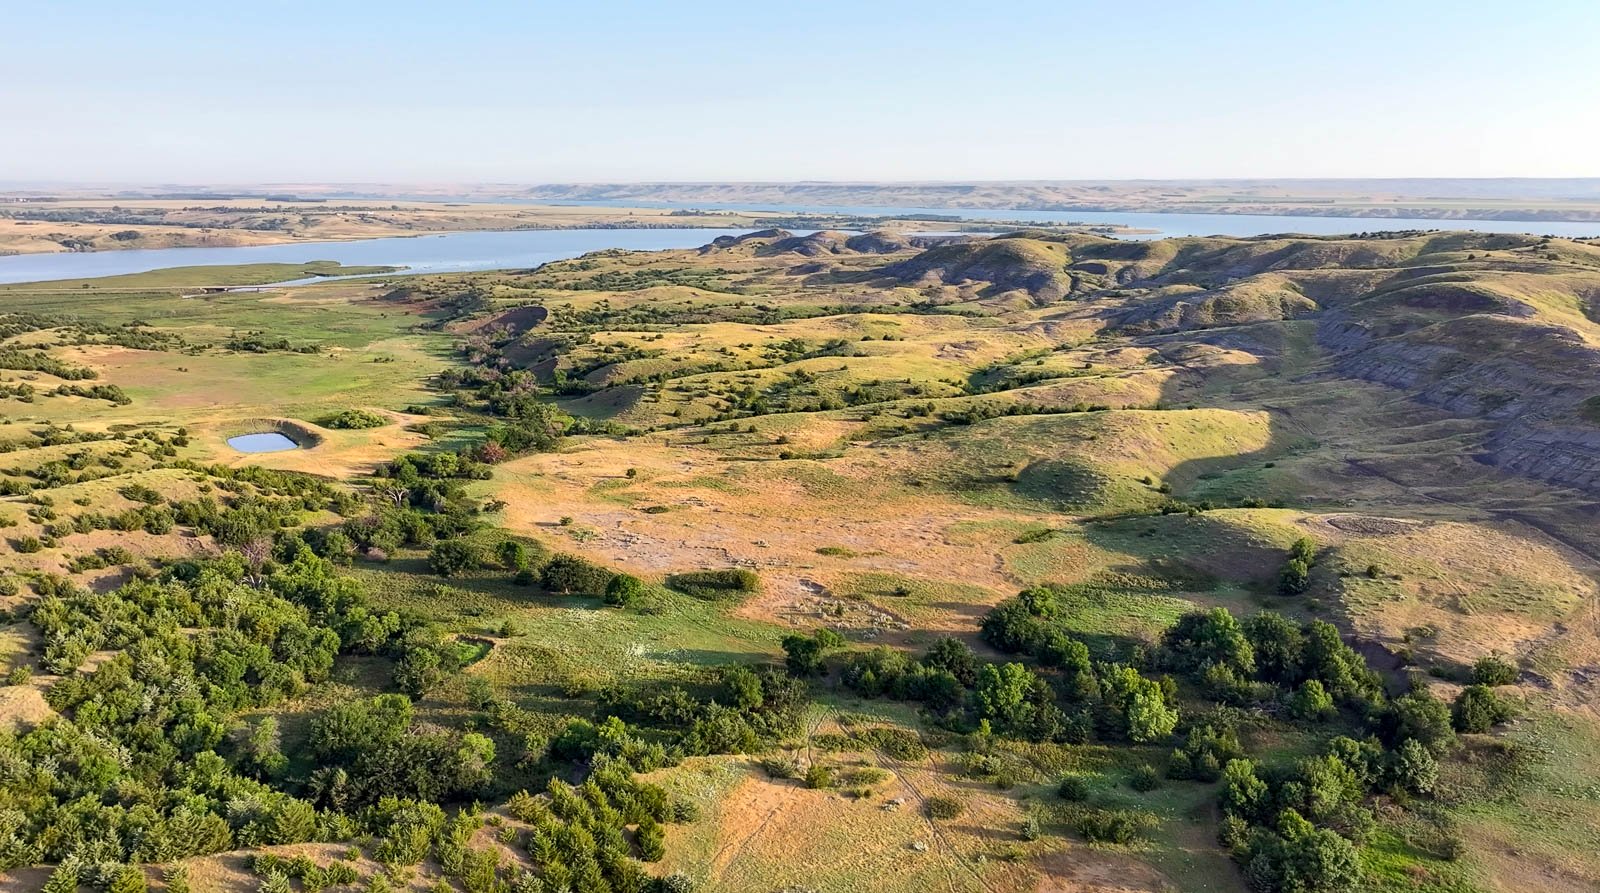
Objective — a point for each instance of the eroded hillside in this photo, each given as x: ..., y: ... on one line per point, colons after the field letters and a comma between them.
x: 611, y: 502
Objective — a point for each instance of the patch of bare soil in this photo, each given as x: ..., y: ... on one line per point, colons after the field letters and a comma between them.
x: 1370, y: 525
x: 770, y: 525
x: 23, y: 706
x: 1081, y: 870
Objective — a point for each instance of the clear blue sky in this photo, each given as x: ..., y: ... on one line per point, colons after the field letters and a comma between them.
x: 530, y: 92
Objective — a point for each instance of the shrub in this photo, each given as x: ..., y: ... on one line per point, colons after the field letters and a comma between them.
x: 354, y: 419
x: 819, y: 777
x: 1414, y: 768
x: 685, y: 811
x: 716, y: 584
x: 623, y: 590
x: 1204, y: 752
x: 941, y: 807
x: 651, y: 840
x: 804, y: 653
x: 1478, y: 708
x: 864, y: 777
x: 1491, y: 670
x: 452, y: 557
x: 1073, y: 789
x: 128, y: 879
x: 1295, y: 578
x: 901, y: 744
x: 64, y: 879
x: 1311, y: 701
x: 780, y: 767
x: 570, y: 575
x: 1145, y: 778
x: 1113, y: 825
x: 513, y: 555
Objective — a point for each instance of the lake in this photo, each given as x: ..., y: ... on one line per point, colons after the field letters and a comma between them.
x: 265, y: 442
x: 438, y: 253
x: 1162, y: 225
x: 522, y: 249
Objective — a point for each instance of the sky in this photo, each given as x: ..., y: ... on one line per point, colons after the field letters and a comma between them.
x: 598, y: 91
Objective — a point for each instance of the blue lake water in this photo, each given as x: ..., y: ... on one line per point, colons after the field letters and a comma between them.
x: 1163, y: 225
x: 461, y: 252
x: 441, y: 253
x: 265, y: 442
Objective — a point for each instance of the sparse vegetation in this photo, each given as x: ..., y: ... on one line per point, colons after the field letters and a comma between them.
x: 591, y: 603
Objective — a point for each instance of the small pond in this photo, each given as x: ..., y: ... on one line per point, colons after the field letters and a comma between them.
x: 265, y: 442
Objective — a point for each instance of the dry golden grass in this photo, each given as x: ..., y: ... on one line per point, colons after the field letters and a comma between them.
x: 1458, y: 591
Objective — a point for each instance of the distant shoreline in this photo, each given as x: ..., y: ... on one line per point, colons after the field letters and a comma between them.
x: 83, y: 226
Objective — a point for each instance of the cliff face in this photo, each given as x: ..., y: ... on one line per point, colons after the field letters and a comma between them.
x: 1527, y: 378
x: 1497, y: 328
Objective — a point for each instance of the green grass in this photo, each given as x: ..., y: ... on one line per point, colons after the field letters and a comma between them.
x: 667, y: 635
x: 1392, y: 862
x: 1117, y: 610
x: 1067, y: 498
x: 194, y: 277
x: 351, y: 333
x: 1549, y: 812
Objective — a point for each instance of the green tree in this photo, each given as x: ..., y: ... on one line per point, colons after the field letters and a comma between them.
x: 1422, y: 717
x: 261, y: 754
x: 742, y: 688
x: 1001, y: 695
x: 1303, y: 549
x: 567, y: 574
x: 1278, y: 646
x: 64, y: 879
x: 804, y: 654
x: 128, y: 879
x: 1139, y: 705
x: 1316, y: 860
x: 1311, y: 701
x: 1243, y: 792
x: 1477, y: 709
x: 1202, y: 639
x: 1328, y: 785
x: 956, y: 656
x: 418, y: 671
x: 451, y: 557
x: 1295, y: 578
x: 1414, y: 767
x: 1491, y: 670
x: 623, y: 590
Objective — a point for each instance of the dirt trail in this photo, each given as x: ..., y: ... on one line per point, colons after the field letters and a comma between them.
x: 899, y: 769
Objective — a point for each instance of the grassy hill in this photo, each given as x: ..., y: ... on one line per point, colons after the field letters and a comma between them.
x: 881, y: 436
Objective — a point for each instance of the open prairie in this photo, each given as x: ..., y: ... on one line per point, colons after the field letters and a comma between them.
x: 831, y: 562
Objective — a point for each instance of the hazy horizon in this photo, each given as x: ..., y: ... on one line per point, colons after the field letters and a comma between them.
x: 410, y: 93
